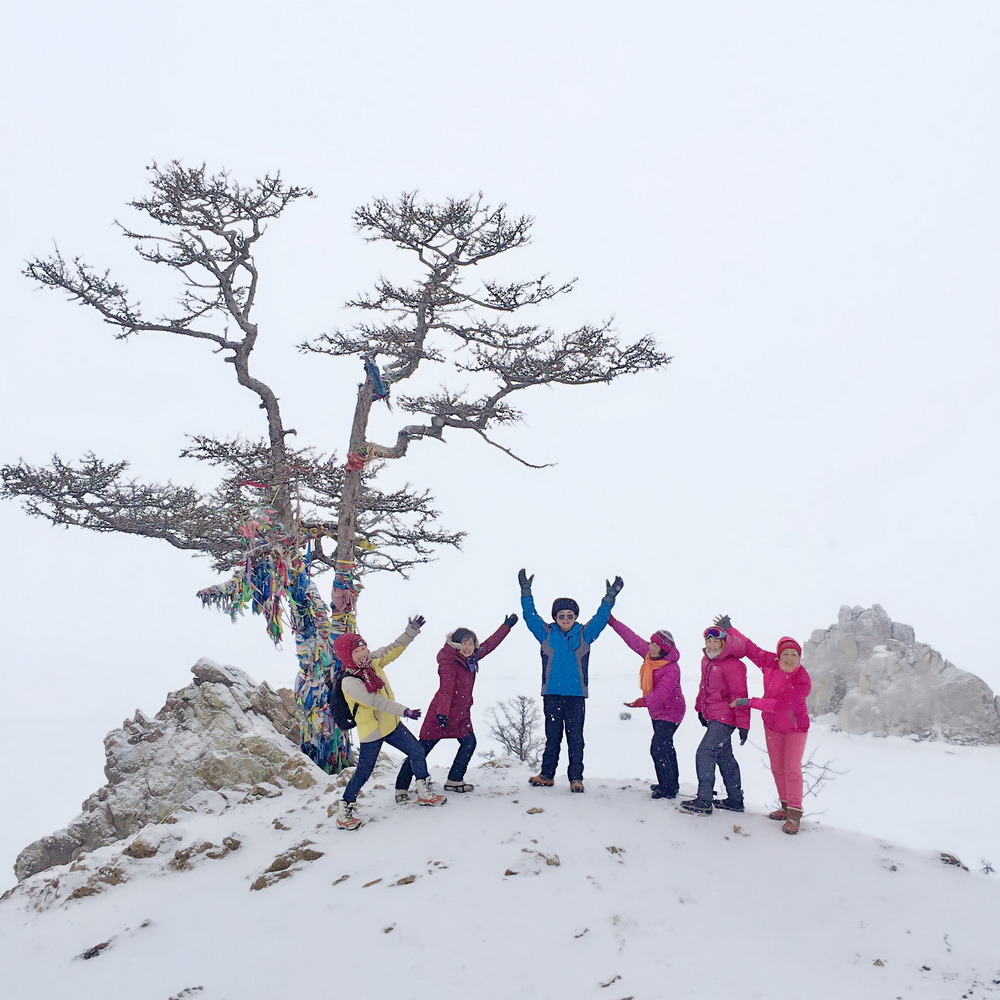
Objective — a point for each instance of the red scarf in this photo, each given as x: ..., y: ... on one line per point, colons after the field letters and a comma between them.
x: 366, y: 673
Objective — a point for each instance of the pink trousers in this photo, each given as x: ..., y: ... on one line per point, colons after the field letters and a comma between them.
x: 785, y: 752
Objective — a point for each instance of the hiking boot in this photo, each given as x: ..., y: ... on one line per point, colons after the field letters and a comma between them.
x: 697, y: 807
x: 426, y: 796
x: 402, y: 795
x: 576, y: 786
x: 346, y: 818
x: 657, y: 792
x: 779, y: 814
x: 793, y: 822
x: 733, y: 805
x: 540, y: 781
x: 459, y: 786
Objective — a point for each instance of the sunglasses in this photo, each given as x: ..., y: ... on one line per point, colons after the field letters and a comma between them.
x: 715, y: 633
x: 563, y: 615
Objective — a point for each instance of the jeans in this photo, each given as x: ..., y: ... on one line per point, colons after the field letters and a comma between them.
x: 716, y: 748
x: 785, y: 750
x: 400, y: 738
x: 661, y: 749
x: 563, y: 712
x: 466, y: 748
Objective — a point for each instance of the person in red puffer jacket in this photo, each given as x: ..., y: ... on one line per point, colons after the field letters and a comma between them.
x: 450, y: 713
x: 723, y: 682
x: 786, y: 720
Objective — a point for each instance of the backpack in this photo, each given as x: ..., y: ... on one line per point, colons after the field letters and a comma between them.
x: 342, y: 714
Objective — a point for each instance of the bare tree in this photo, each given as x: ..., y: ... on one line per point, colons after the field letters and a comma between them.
x: 514, y: 724
x: 280, y: 515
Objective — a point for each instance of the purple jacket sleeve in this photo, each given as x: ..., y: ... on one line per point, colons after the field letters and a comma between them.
x: 634, y: 642
x: 666, y: 682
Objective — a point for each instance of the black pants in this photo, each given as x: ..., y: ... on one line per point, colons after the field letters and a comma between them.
x: 466, y: 748
x: 563, y: 713
x: 400, y: 738
x: 661, y: 749
x: 716, y: 749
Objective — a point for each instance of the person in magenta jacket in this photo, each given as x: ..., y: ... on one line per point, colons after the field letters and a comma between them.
x: 660, y: 683
x: 723, y: 682
x: 449, y: 716
x: 786, y: 720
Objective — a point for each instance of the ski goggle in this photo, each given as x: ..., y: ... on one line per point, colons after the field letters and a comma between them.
x: 715, y: 633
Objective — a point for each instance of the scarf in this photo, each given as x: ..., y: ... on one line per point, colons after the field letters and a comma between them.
x: 646, y: 673
x: 366, y: 673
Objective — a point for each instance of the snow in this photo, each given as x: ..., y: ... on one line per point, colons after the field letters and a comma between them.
x: 615, y: 895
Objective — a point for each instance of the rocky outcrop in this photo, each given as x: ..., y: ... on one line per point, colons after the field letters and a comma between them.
x: 872, y: 674
x: 220, y: 732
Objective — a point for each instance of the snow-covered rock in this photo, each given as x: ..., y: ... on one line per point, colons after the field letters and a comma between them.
x: 220, y: 732
x: 873, y: 675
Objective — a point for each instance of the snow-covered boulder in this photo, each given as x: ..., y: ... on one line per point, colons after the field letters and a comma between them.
x: 220, y: 732
x: 872, y: 674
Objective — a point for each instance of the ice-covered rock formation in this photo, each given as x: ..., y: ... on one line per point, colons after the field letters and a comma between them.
x: 220, y: 732
x: 876, y: 678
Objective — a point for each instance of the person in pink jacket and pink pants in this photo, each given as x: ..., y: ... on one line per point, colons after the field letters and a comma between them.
x: 660, y: 683
x: 786, y: 720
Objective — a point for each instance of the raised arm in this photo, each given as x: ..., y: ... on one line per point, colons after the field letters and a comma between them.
x: 595, y: 626
x: 488, y: 645
x: 634, y: 642
x: 531, y: 617
x: 384, y: 655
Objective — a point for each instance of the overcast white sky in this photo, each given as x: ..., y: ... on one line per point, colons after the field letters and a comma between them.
x: 798, y: 200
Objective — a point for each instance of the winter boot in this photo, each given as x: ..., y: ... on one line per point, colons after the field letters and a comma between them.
x: 426, y: 796
x: 540, y: 781
x: 657, y: 792
x: 458, y: 786
x: 780, y: 814
x: 346, y: 818
x: 733, y: 805
x: 402, y: 795
x: 793, y: 822
x: 697, y: 807
x: 576, y: 786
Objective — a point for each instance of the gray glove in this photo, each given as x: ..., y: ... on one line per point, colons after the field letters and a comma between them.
x: 723, y: 621
x: 614, y: 589
x: 741, y: 703
x: 525, y: 581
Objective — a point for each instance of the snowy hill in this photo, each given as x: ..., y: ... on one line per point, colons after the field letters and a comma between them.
x: 508, y: 891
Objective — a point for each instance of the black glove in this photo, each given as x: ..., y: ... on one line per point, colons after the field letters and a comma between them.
x: 525, y: 581
x: 723, y: 621
x: 418, y: 622
x: 703, y: 720
x: 442, y: 720
x: 614, y: 589
x: 744, y: 733
x: 510, y: 621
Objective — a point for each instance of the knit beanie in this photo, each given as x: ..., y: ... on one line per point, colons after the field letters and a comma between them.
x: 663, y: 639
x: 461, y: 634
x: 344, y: 645
x: 787, y: 642
x: 565, y: 604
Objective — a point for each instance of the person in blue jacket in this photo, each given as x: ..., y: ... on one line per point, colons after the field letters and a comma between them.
x: 565, y: 649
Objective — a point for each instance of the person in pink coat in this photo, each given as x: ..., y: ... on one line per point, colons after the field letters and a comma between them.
x: 723, y: 682
x: 660, y: 683
x: 449, y: 716
x: 786, y: 720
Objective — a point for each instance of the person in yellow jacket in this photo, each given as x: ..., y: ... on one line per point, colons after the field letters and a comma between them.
x: 378, y: 716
